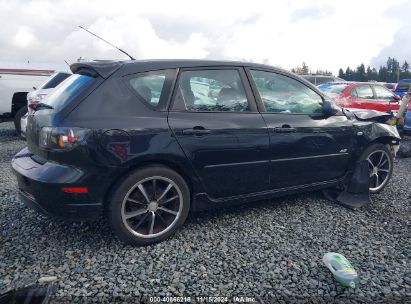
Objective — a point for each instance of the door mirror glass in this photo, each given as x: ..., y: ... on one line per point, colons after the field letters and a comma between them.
x: 329, y: 108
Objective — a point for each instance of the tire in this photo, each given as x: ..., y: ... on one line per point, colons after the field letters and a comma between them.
x: 19, y: 114
x: 130, y: 211
x: 380, y: 168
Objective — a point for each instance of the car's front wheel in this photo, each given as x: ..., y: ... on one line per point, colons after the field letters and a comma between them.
x: 149, y: 205
x: 380, y: 163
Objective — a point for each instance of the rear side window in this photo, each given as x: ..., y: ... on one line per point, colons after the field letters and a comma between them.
x: 364, y: 91
x: 68, y: 90
x: 212, y: 90
x: 283, y: 94
x: 383, y: 93
x: 148, y: 87
x: 55, y: 80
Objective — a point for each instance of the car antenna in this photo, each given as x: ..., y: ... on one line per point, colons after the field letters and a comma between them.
x: 124, y: 52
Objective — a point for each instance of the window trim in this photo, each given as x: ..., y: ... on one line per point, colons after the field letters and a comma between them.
x: 169, y: 81
x: 260, y: 103
x: 178, y: 106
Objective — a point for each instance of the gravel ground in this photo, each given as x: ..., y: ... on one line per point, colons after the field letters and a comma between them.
x: 269, y: 250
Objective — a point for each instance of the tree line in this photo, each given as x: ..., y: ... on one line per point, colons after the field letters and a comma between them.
x: 391, y: 72
x: 305, y: 70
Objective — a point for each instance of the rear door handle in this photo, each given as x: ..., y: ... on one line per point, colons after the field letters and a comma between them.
x: 196, y: 131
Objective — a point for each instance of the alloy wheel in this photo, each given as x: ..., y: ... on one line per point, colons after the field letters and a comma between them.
x: 380, y: 165
x: 152, y: 207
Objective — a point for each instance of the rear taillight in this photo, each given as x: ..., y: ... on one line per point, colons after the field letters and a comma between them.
x: 62, y: 138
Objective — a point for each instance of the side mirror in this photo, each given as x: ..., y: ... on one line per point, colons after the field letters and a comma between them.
x: 329, y: 108
x: 397, y: 98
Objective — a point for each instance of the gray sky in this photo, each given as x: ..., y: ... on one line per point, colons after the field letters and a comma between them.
x: 324, y: 34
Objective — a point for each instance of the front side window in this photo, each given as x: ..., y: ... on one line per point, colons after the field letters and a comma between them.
x: 383, y: 93
x: 364, y: 91
x: 148, y: 86
x: 212, y: 90
x: 283, y: 94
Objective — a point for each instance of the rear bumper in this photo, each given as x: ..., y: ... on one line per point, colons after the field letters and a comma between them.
x: 40, y: 188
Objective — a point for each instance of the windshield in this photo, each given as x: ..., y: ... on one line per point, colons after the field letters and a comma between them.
x: 68, y: 90
x: 332, y: 90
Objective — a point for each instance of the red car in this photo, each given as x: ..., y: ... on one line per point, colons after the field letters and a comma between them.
x: 362, y: 95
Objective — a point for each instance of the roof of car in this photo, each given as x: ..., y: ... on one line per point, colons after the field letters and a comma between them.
x: 106, y: 68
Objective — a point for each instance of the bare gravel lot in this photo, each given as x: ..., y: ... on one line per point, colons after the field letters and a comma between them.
x: 270, y: 251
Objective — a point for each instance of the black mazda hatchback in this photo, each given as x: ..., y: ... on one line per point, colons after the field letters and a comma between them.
x: 145, y: 142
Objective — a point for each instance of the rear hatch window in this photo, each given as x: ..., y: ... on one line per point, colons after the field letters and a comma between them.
x: 55, y: 80
x: 68, y: 90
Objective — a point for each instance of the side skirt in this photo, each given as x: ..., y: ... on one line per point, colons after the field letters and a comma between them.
x: 201, y: 201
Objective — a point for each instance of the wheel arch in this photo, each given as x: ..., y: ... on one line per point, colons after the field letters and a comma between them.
x: 178, y: 168
x: 18, y: 101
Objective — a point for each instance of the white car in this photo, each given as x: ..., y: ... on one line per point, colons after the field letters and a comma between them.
x: 36, y: 96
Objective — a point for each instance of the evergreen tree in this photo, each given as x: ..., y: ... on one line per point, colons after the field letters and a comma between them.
x: 405, y: 66
x: 341, y: 73
x: 360, y: 73
x: 383, y: 74
x: 372, y: 74
x: 305, y: 69
x: 348, y: 74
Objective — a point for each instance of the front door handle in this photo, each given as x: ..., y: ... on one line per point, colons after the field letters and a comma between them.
x: 196, y: 131
x: 285, y: 129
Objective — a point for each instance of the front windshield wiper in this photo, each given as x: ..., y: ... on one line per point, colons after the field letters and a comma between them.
x: 40, y: 105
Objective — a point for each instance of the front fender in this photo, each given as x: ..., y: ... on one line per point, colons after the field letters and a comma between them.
x: 368, y: 132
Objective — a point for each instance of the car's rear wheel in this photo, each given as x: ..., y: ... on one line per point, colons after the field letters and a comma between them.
x: 380, y: 163
x: 149, y: 205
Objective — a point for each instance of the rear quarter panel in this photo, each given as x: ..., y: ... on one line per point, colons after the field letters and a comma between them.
x: 126, y: 133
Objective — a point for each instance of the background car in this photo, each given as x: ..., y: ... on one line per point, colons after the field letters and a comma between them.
x: 320, y: 79
x: 15, y: 83
x: 402, y: 87
x: 390, y: 86
x: 36, y: 96
x: 362, y: 95
x: 145, y: 142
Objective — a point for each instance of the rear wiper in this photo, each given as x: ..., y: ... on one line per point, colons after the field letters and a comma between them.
x: 40, y: 105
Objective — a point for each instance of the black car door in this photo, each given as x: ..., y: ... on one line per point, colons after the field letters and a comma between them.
x: 217, y: 124
x: 305, y: 146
